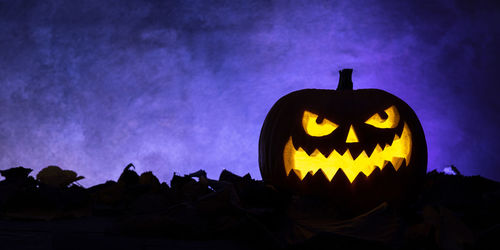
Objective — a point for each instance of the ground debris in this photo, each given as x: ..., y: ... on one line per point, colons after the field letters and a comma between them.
x: 452, y: 212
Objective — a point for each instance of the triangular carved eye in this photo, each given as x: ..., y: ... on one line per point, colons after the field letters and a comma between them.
x: 391, y: 121
x: 313, y: 128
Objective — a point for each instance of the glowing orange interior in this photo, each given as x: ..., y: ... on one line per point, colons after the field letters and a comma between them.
x: 315, y: 129
x: 302, y: 163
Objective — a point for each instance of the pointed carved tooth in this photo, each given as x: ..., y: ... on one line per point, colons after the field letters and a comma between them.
x: 313, y: 169
x: 351, y: 173
x: 385, y: 163
x: 396, y: 138
x: 364, y: 164
x: 368, y: 169
x: 369, y: 153
x: 316, y: 153
x: 334, y: 155
x: 406, y: 162
x: 362, y: 157
x: 347, y: 155
x: 327, y: 154
x: 386, y: 154
x: 377, y: 157
x: 298, y: 173
x: 330, y: 172
x: 396, y: 162
x: 407, y: 159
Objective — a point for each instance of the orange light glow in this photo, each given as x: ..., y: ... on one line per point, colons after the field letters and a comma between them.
x: 315, y: 129
x: 391, y: 121
x: 302, y: 163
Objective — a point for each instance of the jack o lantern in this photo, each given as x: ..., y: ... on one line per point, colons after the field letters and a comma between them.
x: 361, y: 146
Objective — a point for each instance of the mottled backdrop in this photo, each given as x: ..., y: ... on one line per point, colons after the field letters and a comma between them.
x: 177, y: 86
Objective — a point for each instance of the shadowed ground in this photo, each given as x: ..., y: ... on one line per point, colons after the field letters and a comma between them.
x: 52, y: 211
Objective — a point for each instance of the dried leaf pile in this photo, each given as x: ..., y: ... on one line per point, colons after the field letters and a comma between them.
x: 452, y: 212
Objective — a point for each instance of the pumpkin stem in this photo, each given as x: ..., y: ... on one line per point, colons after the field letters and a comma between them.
x: 345, y: 79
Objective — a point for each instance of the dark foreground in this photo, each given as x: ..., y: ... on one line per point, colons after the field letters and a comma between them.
x: 194, y: 212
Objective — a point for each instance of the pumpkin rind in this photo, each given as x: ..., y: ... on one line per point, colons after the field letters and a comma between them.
x: 349, y: 109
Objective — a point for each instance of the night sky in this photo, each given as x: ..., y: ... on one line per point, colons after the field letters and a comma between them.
x: 178, y: 86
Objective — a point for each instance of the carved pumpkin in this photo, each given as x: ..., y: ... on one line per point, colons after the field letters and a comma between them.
x: 365, y: 146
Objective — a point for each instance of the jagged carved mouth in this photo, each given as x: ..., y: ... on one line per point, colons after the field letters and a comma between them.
x: 301, y: 163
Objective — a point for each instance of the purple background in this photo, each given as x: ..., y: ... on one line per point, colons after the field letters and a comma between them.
x: 182, y: 86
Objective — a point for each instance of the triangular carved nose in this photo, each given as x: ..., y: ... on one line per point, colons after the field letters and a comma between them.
x: 351, y: 136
